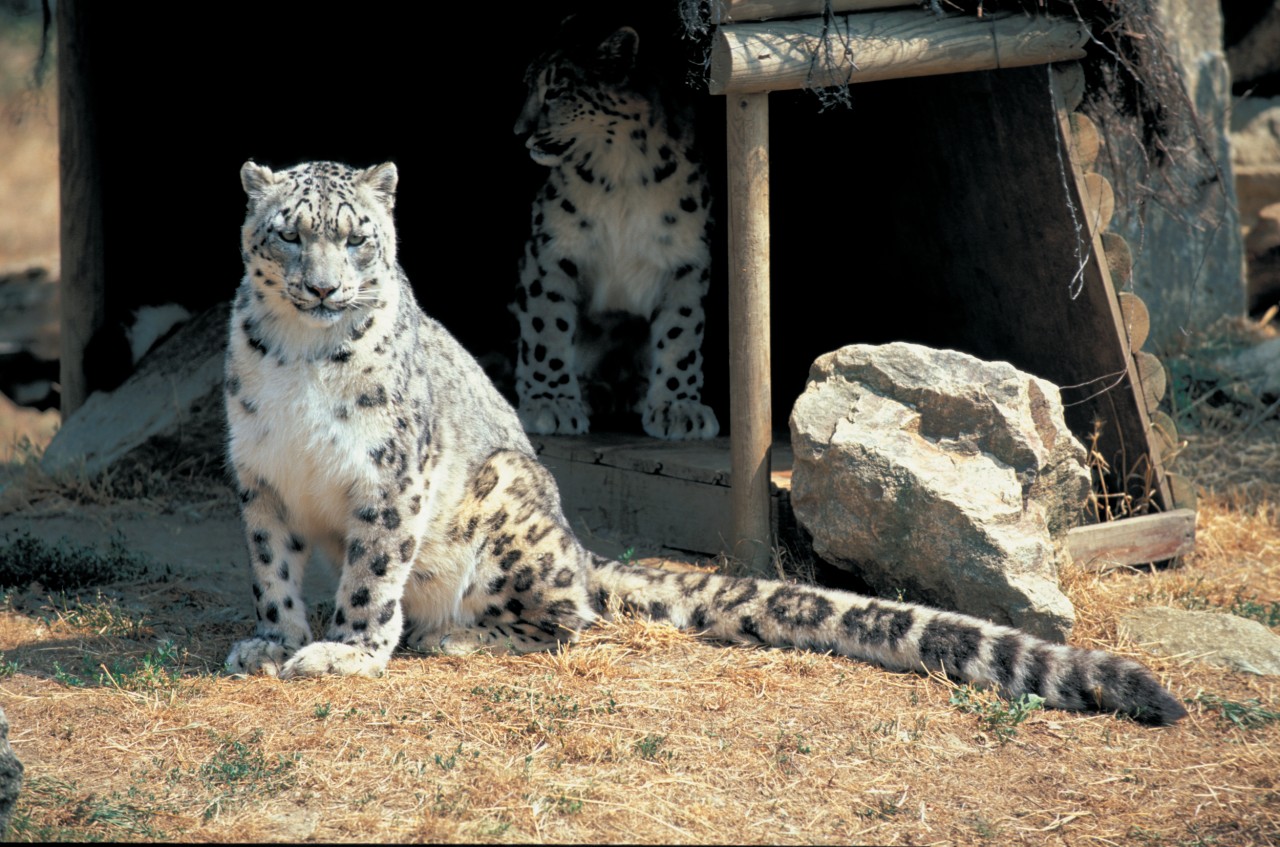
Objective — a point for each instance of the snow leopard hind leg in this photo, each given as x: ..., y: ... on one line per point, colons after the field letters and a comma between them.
x: 524, y: 573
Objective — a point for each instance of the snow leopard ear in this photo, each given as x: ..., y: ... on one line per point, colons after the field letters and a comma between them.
x: 383, y: 179
x: 618, y: 51
x: 257, y: 181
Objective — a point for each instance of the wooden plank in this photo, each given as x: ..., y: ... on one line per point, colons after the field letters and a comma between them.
x: 750, y: 387
x: 707, y: 462
x: 1085, y: 141
x: 80, y: 174
x: 870, y: 46
x: 1120, y: 264
x: 1183, y: 491
x: 664, y: 509
x: 1164, y: 435
x: 736, y: 11
x: 1152, y: 378
x: 614, y: 502
x: 1137, y: 320
x: 1068, y: 80
x: 1133, y: 541
x: 1100, y: 201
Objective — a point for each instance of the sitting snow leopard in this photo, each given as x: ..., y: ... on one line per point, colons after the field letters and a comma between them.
x: 620, y: 228
x: 359, y: 427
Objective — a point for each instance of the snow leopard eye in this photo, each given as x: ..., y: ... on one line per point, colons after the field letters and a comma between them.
x: 289, y: 236
x: 355, y: 240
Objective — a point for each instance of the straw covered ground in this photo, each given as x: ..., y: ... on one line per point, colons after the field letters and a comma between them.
x: 640, y: 733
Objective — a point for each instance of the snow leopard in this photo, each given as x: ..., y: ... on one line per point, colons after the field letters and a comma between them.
x: 620, y: 230
x: 360, y: 429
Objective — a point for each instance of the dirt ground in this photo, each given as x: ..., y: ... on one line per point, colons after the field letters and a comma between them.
x: 129, y: 731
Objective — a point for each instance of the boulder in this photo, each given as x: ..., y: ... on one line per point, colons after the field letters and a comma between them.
x: 10, y: 776
x: 1215, y: 638
x: 172, y: 402
x: 940, y: 478
x: 1258, y: 367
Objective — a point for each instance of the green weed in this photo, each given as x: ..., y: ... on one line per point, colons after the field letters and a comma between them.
x: 81, y: 816
x: 26, y: 559
x: 999, y: 717
x: 650, y: 748
x: 450, y: 761
x: 158, y: 669
x: 1249, y: 714
x: 238, y: 766
x: 103, y: 615
x: 542, y: 714
x: 1266, y: 613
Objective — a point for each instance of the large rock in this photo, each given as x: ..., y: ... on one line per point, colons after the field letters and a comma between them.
x: 1215, y: 638
x: 1258, y: 367
x: 172, y: 401
x: 10, y: 776
x: 940, y: 476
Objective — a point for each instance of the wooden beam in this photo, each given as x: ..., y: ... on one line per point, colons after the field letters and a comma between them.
x: 80, y: 170
x: 750, y: 390
x: 733, y: 11
x: 1133, y: 541
x: 782, y: 55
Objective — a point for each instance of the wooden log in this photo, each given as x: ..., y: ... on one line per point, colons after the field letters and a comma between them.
x: 750, y: 416
x: 736, y: 11
x: 871, y: 46
x: 1133, y: 541
x: 1182, y: 491
x: 1119, y: 261
x: 80, y: 174
x: 1137, y: 320
x: 1068, y: 79
x: 1164, y: 435
x: 1152, y: 375
x: 1100, y: 204
x: 1085, y: 141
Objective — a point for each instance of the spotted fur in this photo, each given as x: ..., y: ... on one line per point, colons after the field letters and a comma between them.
x: 619, y: 228
x: 361, y: 430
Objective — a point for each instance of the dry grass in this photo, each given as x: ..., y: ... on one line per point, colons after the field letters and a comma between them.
x: 641, y: 733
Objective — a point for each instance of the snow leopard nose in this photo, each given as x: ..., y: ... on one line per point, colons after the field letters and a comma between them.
x: 321, y: 289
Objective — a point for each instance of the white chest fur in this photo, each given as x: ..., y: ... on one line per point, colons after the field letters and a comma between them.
x: 293, y: 425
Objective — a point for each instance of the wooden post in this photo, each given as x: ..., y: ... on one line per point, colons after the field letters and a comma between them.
x: 750, y: 419
x: 83, y: 279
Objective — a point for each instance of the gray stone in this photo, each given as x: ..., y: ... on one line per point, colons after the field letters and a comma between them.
x: 174, y: 398
x: 10, y: 776
x: 1216, y: 638
x: 1255, y: 131
x: 1181, y: 220
x: 940, y: 476
x: 1257, y: 366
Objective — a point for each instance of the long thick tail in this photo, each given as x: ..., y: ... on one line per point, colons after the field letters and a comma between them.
x: 899, y: 636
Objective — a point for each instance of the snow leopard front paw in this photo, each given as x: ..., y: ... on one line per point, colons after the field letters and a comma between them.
x: 677, y: 420
x: 557, y: 416
x: 322, y: 658
x: 257, y: 655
